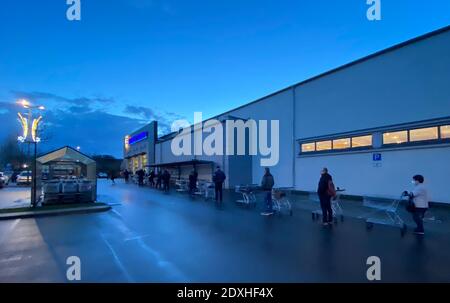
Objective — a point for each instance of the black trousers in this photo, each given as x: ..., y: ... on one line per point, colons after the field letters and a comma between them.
x: 418, y: 215
x: 166, y: 186
x: 327, y: 212
x: 219, y: 192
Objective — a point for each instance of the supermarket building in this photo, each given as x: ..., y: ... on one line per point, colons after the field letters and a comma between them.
x: 374, y: 123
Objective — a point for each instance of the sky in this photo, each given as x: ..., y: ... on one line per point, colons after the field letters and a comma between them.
x: 128, y: 62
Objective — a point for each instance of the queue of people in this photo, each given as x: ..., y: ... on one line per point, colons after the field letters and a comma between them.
x: 418, y: 206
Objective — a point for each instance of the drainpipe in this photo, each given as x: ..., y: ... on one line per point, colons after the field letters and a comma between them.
x: 294, y: 146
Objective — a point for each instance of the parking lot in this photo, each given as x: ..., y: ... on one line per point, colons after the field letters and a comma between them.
x: 149, y: 236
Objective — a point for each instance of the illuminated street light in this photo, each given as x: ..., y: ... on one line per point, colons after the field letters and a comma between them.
x: 24, y: 103
x: 29, y: 136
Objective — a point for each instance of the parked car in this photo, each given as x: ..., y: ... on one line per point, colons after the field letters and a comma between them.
x: 24, y: 178
x: 102, y: 175
x: 5, y: 178
x: 2, y: 184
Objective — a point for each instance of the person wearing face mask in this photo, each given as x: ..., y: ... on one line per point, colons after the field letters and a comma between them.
x: 420, y: 199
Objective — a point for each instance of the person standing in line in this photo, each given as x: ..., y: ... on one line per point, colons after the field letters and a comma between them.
x: 420, y: 199
x: 151, y: 178
x: 193, y: 176
x: 325, y: 192
x: 218, y: 179
x: 141, y: 175
x: 267, y: 184
x: 158, y: 179
x: 166, y: 181
x: 112, y: 176
x: 126, y: 175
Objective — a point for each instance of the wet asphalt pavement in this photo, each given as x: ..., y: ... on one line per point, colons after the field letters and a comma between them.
x: 152, y: 237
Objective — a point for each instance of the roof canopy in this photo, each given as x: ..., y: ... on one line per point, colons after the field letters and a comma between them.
x: 182, y: 163
x: 65, y: 154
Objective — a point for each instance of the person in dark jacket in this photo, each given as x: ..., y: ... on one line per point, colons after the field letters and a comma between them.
x: 126, y: 175
x: 267, y: 184
x: 166, y: 180
x: 218, y: 179
x: 140, y: 173
x: 193, y: 177
x: 325, y: 197
x: 151, y: 179
x: 159, y: 179
x: 112, y: 176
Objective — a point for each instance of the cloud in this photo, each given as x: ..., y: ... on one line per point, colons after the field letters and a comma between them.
x: 164, y: 119
x: 43, y: 96
x: 143, y: 112
x: 8, y: 106
x: 79, y: 122
x: 72, y: 123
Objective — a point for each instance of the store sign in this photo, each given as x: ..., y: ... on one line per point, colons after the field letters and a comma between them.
x: 137, y: 138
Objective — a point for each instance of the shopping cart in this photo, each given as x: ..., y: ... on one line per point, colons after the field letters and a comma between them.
x: 199, y: 189
x: 336, y: 207
x: 181, y: 185
x: 209, y: 190
x: 385, y: 212
x: 248, y: 194
x: 281, y: 201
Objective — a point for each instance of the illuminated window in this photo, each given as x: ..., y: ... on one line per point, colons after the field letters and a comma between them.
x: 135, y: 163
x: 395, y: 137
x: 445, y: 132
x: 323, y: 145
x: 144, y: 161
x: 362, y: 141
x: 308, y: 147
x: 341, y: 143
x: 423, y: 134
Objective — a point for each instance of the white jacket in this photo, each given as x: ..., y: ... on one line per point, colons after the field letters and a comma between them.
x: 420, y: 196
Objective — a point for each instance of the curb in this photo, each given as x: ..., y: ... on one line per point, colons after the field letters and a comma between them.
x: 55, y: 212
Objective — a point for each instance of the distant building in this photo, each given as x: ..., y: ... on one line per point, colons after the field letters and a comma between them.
x: 139, y: 147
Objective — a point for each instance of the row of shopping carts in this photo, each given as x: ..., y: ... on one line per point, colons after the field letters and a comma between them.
x: 383, y: 210
x: 204, y: 189
x: 280, y: 197
x: 68, y: 191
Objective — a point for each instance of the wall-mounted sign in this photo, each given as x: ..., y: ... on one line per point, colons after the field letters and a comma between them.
x: 377, y: 157
x: 137, y: 138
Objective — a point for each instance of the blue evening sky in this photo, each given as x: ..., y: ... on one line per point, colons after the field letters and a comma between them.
x: 130, y: 61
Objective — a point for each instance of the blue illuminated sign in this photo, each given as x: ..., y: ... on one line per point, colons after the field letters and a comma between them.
x: 138, y: 138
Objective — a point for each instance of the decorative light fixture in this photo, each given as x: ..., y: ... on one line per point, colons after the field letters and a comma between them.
x: 24, y: 122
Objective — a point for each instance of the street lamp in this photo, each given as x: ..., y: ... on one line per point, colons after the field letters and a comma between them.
x: 29, y: 135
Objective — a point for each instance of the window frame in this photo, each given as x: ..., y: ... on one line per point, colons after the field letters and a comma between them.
x: 395, y: 131
x: 374, y: 133
x: 426, y: 140
x: 440, y: 132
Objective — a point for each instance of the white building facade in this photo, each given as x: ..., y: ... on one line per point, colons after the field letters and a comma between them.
x: 374, y: 123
